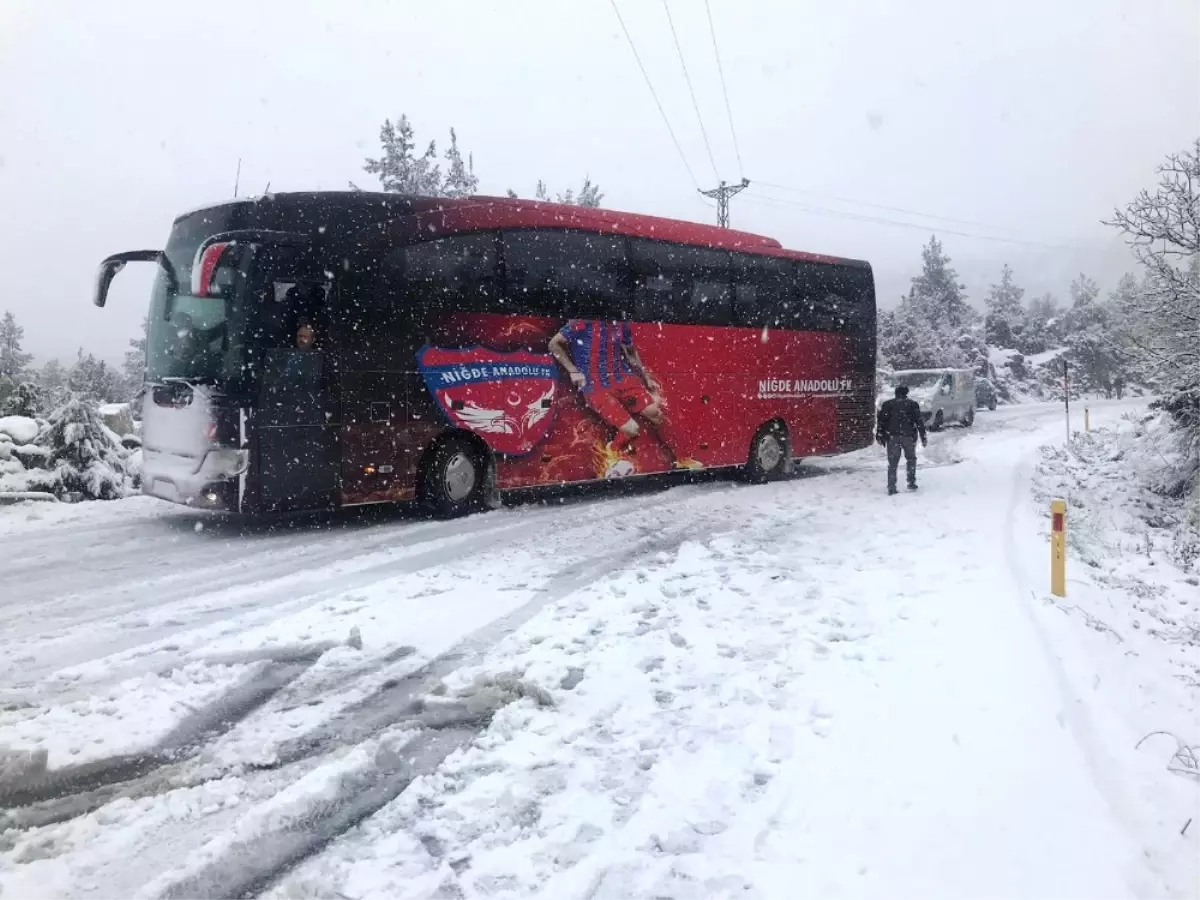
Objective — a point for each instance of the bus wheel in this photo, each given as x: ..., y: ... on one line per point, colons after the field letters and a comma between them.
x: 456, y: 480
x: 938, y: 422
x: 768, y: 454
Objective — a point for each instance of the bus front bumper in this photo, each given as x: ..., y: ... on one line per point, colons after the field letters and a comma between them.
x: 213, y: 482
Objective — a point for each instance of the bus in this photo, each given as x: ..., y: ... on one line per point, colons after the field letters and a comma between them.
x: 331, y: 349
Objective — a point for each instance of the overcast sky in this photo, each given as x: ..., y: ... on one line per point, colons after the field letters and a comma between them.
x: 1028, y: 119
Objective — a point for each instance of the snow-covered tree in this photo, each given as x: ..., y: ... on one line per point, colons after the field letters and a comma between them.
x: 402, y: 171
x: 399, y: 169
x: 926, y: 329
x: 1087, y: 327
x: 133, y: 369
x: 937, y: 295
x: 1162, y: 318
x: 84, y: 456
x: 1043, y: 325
x: 13, y: 360
x: 52, y: 383
x: 94, y: 380
x: 1005, y: 322
x: 461, y: 180
x: 25, y: 400
x: 589, y: 194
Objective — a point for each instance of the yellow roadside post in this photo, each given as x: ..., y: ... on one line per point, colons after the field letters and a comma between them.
x: 1058, y: 548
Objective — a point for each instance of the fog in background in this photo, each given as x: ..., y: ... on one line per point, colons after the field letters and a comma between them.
x: 1028, y: 120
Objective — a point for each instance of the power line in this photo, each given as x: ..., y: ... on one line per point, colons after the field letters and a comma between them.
x: 898, y: 209
x: 776, y: 202
x: 691, y: 90
x: 724, y: 89
x: 654, y: 94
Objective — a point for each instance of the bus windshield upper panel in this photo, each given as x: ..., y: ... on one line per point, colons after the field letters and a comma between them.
x: 197, y: 338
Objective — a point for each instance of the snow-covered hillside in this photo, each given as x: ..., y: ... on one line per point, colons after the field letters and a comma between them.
x: 806, y: 688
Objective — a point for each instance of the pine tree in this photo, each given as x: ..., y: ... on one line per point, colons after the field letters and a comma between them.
x: 1089, y: 342
x: 1005, y: 320
x: 93, y: 380
x: 25, y: 400
x: 936, y: 294
x: 133, y: 369
x: 52, y: 382
x: 84, y: 457
x: 931, y: 318
x: 13, y: 361
x: 589, y: 194
x: 399, y: 170
x: 461, y: 180
x: 1043, y: 325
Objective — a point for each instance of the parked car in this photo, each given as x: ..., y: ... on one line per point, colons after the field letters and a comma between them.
x: 944, y: 395
x: 985, y: 393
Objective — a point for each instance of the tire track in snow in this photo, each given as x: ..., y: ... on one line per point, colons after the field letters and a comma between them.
x: 246, y: 869
x: 61, y: 794
x: 263, y: 588
x: 74, y: 791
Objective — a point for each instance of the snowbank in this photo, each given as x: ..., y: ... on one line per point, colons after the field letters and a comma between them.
x: 1040, y: 359
x: 20, y: 429
x: 1128, y: 631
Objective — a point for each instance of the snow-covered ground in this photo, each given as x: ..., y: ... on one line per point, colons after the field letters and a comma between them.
x: 805, y: 688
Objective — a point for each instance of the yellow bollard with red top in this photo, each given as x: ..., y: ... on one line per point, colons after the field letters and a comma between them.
x: 1058, y: 548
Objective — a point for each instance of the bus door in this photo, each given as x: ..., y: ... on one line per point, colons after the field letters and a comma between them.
x: 295, y: 417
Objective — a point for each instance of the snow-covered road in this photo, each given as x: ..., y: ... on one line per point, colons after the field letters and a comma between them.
x: 805, y: 688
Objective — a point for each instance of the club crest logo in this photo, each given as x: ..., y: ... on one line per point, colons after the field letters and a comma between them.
x: 505, y: 398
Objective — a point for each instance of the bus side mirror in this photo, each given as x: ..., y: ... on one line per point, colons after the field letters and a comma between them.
x: 108, y: 271
x: 114, y: 264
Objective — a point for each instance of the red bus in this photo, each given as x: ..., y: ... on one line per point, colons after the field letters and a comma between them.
x: 318, y: 350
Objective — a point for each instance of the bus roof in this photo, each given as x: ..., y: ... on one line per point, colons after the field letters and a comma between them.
x: 402, y: 215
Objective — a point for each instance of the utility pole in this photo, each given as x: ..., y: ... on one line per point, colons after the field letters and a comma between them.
x: 721, y: 195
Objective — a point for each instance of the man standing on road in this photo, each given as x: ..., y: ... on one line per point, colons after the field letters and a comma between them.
x: 899, y: 424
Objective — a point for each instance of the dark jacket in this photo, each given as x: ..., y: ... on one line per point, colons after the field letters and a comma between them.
x: 899, y: 418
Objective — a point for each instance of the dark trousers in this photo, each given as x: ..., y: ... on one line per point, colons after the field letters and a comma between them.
x: 896, y: 446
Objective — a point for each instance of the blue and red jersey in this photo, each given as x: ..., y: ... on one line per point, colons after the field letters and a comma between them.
x: 596, y: 349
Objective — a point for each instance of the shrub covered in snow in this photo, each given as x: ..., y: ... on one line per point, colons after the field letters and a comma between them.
x: 83, y: 456
x: 25, y: 400
x: 18, y: 429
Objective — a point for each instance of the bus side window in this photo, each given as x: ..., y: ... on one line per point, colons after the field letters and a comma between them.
x: 565, y: 274
x: 746, y: 308
x: 701, y: 286
x: 835, y: 298
x: 457, y: 273
x: 762, y: 291
x: 653, y: 298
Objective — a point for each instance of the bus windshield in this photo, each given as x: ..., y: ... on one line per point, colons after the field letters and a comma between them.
x: 196, y: 338
x: 191, y: 337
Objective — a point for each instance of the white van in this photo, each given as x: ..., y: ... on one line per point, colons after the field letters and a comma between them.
x: 945, y: 395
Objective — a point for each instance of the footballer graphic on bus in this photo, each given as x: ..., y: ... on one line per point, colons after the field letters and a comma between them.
x: 603, y: 364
